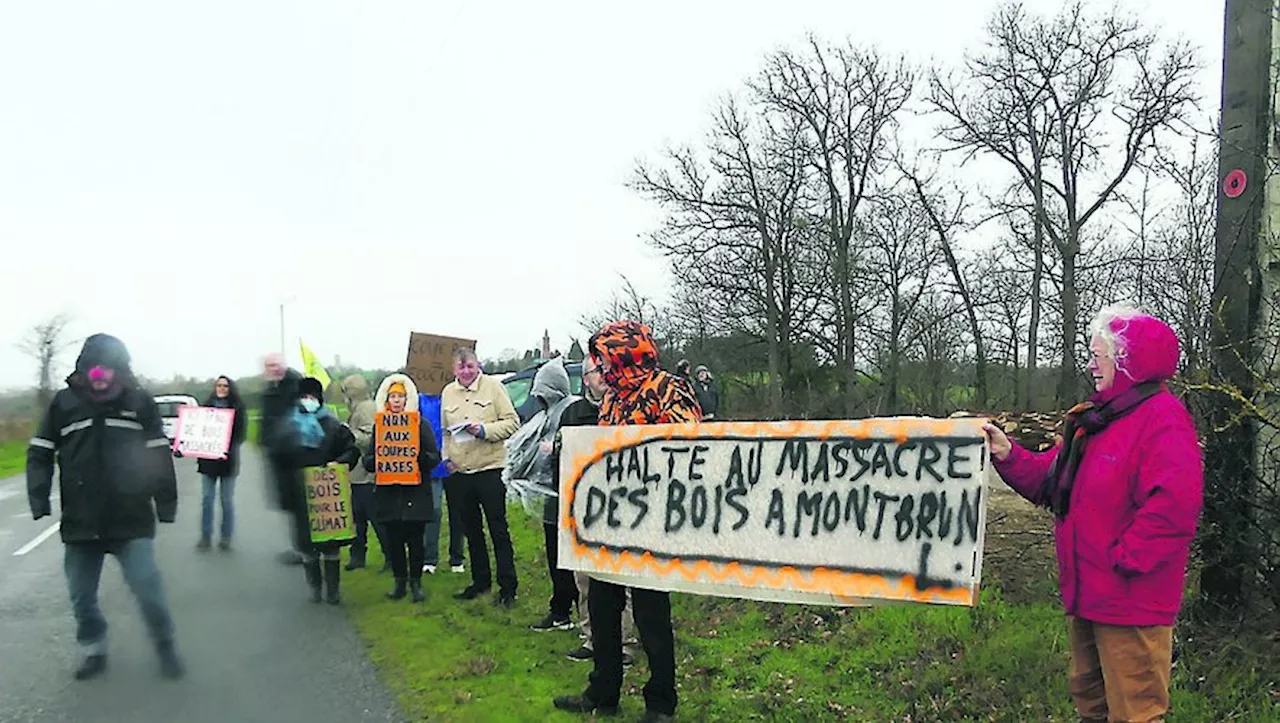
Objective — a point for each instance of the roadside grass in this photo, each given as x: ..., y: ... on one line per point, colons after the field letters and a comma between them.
x: 13, y: 458
x: 1003, y: 660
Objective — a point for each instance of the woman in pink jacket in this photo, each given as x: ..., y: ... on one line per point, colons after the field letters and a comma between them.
x: 1125, y: 487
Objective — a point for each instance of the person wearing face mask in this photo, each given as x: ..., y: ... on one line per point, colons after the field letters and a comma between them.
x: 116, y: 478
x: 322, y: 440
x: 219, y: 475
x: 1125, y: 486
x: 279, y: 399
x: 478, y: 418
x: 404, y: 507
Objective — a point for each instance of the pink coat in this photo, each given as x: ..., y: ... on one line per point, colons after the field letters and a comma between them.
x: 1123, y: 545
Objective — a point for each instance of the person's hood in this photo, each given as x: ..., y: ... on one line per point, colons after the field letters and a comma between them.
x: 629, y: 349
x: 551, y: 383
x: 233, y: 394
x: 411, y: 391
x: 103, y: 350
x: 1147, y: 350
x: 311, y: 387
x: 355, y: 388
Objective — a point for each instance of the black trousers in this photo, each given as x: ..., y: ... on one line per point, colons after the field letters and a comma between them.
x: 652, y: 610
x: 481, y: 497
x: 362, y: 511
x: 401, y: 534
x: 564, y: 589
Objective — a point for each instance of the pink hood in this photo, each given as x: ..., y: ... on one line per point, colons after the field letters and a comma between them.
x: 1147, y: 350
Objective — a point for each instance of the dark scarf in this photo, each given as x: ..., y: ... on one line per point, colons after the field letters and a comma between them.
x: 1083, y: 421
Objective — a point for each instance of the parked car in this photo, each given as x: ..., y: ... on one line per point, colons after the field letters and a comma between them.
x: 169, y: 405
x: 519, y: 384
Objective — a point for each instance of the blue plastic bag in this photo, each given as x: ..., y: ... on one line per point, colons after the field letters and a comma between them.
x: 429, y: 408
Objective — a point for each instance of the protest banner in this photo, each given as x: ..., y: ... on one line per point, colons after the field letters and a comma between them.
x: 430, y: 360
x: 395, y: 449
x: 329, y: 503
x: 203, y: 432
x: 831, y: 513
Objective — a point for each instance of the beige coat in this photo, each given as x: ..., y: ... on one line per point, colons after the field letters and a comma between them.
x: 486, y: 402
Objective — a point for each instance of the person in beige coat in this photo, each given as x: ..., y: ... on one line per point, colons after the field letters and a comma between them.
x: 360, y: 415
x: 478, y: 417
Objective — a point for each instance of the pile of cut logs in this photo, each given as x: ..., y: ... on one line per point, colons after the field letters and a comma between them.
x: 1036, y: 431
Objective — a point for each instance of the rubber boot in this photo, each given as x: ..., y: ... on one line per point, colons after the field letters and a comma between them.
x: 415, y: 590
x: 399, y: 592
x: 356, y: 562
x: 332, y: 570
x: 312, y: 570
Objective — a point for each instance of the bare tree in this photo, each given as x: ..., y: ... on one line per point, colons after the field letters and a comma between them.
x: 1072, y: 104
x: 45, y: 342
x: 847, y: 101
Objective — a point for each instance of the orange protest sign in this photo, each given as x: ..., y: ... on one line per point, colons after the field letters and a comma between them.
x: 396, y: 448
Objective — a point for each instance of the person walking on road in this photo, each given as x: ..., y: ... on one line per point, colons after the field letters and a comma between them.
x: 116, y: 478
x: 478, y: 418
x: 218, y: 476
x: 639, y: 393
x: 275, y: 435
x: 404, y: 508
x: 321, y: 440
x: 360, y: 415
x: 1126, y: 488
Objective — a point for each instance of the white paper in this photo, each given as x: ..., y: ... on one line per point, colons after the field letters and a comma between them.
x: 460, y: 433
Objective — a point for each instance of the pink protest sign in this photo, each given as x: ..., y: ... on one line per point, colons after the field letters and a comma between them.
x: 204, y: 432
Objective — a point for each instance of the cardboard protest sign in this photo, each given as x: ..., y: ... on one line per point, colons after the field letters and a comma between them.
x: 395, y: 448
x: 833, y: 513
x: 329, y: 503
x: 430, y: 360
x: 203, y: 432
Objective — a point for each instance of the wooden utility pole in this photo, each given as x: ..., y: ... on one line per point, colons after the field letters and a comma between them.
x: 1244, y: 230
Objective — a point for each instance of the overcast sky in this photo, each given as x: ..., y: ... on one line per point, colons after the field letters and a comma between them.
x: 170, y: 171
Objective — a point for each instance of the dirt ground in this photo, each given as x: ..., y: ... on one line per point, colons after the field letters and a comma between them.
x: 1019, y: 554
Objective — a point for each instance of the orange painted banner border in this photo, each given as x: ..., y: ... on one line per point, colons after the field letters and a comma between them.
x: 840, y: 584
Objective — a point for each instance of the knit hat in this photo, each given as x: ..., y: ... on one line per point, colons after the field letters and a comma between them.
x: 397, y: 388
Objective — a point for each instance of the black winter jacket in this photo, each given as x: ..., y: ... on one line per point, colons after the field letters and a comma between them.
x: 115, y: 468
x: 407, y: 503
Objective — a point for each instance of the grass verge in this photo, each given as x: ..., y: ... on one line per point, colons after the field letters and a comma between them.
x: 1004, y: 660
x: 13, y: 458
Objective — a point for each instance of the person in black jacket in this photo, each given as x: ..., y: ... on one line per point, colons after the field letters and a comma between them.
x: 221, y: 473
x: 279, y: 399
x: 321, y: 439
x: 707, y: 391
x: 115, y: 478
x: 403, y: 509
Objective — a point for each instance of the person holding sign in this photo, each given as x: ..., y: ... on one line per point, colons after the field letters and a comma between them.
x: 322, y: 443
x: 219, y: 475
x: 478, y: 417
x: 401, y: 455
x: 640, y: 392
x: 1126, y: 488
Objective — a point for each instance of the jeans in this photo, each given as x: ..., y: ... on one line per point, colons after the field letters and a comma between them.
x: 210, y: 488
x: 481, y: 496
x: 652, y: 611
x: 363, y: 509
x: 402, y: 534
x: 82, y: 564
x: 456, y: 537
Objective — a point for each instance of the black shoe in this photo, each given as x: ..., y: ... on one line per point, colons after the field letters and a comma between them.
x: 581, y: 655
x: 355, y: 563
x: 171, y: 665
x: 398, y: 592
x: 290, y: 557
x: 505, y: 600
x: 415, y: 591
x: 551, y: 622
x: 332, y: 581
x: 91, y: 667
x: 224, y: 544
x: 204, y: 545
x: 583, y: 704
x: 655, y: 717
x: 471, y: 593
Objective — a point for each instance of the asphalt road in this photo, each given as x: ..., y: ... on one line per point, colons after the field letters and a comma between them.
x: 256, y: 648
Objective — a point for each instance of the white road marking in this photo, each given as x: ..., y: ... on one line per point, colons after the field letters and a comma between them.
x: 36, y: 542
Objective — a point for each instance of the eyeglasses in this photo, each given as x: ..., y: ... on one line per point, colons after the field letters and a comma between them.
x: 586, y: 372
